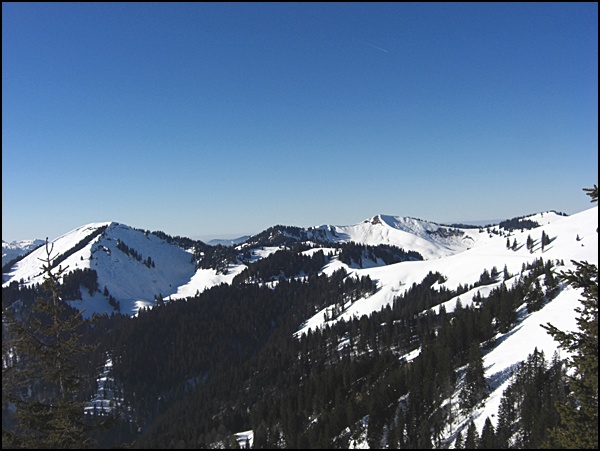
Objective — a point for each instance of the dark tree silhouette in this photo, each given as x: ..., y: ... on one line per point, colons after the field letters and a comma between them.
x: 42, y: 380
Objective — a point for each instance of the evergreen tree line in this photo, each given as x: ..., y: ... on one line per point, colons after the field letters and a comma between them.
x: 578, y: 426
x: 520, y: 223
x: 131, y: 252
x: 191, y: 341
x: 286, y: 263
x: 18, y: 296
x: 180, y: 241
x: 70, y: 288
x: 279, y: 235
x: 528, y: 406
x: 217, y: 257
x: 354, y: 253
x: 73, y: 281
x: 289, y: 258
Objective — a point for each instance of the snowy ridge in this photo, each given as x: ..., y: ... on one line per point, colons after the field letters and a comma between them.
x: 545, y: 218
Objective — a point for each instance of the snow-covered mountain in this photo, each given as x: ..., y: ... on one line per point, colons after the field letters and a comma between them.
x: 15, y: 249
x: 133, y: 265
x: 429, y: 239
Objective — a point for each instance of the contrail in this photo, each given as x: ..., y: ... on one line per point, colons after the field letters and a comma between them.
x: 378, y: 48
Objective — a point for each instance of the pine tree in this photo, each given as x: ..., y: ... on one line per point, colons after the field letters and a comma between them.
x: 474, y: 387
x: 472, y: 438
x: 488, y: 436
x: 551, y: 284
x: 545, y: 240
x: 579, y: 417
x: 534, y: 297
x: 44, y: 381
x: 529, y: 243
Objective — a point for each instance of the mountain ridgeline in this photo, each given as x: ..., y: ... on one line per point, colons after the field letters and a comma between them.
x: 394, y: 332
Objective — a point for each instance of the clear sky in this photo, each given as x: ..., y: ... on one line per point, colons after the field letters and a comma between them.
x: 214, y: 118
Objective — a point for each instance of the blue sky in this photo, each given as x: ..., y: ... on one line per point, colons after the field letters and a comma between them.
x: 215, y: 119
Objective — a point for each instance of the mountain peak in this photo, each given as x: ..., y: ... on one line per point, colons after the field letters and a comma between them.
x: 375, y: 220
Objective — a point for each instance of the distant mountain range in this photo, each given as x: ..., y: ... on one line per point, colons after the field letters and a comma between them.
x: 228, y: 242
x: 15, y: 249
